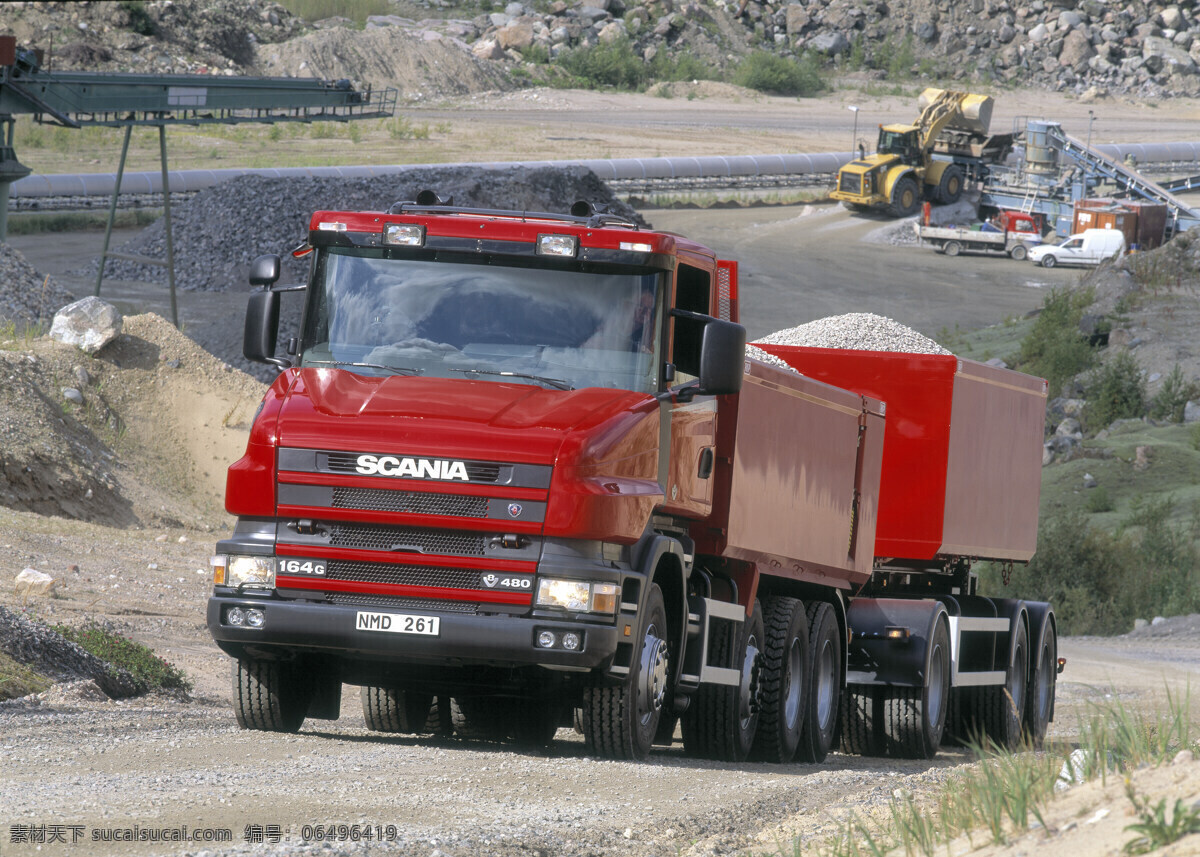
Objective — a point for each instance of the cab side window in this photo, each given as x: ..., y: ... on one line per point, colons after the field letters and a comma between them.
x: 692, y: 293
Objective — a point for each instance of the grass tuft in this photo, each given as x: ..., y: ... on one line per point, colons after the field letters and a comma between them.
x: 138, y: 660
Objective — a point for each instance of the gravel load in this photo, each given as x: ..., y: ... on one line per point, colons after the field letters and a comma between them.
x: 221, y: 230
x: 861, y: 331
x: 26, y: 296
x: 53, y: 655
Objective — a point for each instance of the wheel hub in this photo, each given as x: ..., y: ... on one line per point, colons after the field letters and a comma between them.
x: 652, y: 687
x: 749, y: 689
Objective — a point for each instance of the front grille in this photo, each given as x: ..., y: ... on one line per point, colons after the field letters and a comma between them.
x: 850, y: 183
x: 347, y: 462
x: 408, y: 575
x: 413, y: 502
x: 440, y: 606
x: 413, y: 539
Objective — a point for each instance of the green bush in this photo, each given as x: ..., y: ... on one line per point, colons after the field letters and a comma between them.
x: 896, y: 57
x: 1117, y: 392
x: 1055, y: 348
x: 139, y: 661
x: 767, y: 72
x: 1173, y: 396
x: 611, y: 64
x: 1098, y: 500
x: 536, y: 53
x: 139, y: 19
x: 682, y: 66
x: 1099, y: 582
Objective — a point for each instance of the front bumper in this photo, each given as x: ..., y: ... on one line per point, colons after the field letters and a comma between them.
x: 294, y: 627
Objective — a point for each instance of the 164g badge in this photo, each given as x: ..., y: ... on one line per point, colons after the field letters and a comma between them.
x: 302, y: 567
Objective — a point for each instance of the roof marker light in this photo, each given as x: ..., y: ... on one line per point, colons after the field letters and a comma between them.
x: 557, y: 245
x: 406, y: 234
x: 331, y: 226
x: 636, y: 246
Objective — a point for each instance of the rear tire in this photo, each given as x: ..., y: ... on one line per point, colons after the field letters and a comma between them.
x: 906, y: 197
x: 535, y: 722
x: 1020, y: 253
x: 914, y: 718
x: 477, y: 718
x: 862, y: 717
x: 952, y: 248
x: 1039, y: 700
x: 825, y: 683
x: 996, y: 713
x: 620, y: 722
x: 721, y: 721
x: 386, y: 709
x: 268, y: 696
x: 784, y: 680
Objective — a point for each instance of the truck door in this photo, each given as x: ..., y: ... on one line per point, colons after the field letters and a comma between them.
x: 691, y: 427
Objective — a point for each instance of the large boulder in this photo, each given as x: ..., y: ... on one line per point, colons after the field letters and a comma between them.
x: 1076, y: 51
x: 89, y: 323
x: 1165, y: 54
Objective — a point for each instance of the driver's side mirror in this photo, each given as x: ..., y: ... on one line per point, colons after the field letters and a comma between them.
x: 265, y: 270
x: 722, y: 358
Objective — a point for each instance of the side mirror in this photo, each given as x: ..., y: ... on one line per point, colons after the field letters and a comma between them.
x: 722, y: 358
x: 262, y: 325
x: 265, y: 270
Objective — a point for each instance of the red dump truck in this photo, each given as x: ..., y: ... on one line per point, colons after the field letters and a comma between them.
x: 517, y: 472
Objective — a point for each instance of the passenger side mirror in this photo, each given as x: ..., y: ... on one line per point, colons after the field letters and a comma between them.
x: 265, y: 270
x: 262, y: 326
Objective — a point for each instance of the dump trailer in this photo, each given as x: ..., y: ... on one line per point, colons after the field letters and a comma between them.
x: 518, y: 472
x: 1013, y: 234
x: 932, y: 159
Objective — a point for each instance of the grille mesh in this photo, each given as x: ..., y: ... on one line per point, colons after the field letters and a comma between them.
x: 370, y: 537
x: 410, y: 575
x: 405, y: 603
x: 413, y: 502
x: 346, y: 462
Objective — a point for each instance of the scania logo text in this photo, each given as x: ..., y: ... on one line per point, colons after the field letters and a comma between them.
x: 411, y: 468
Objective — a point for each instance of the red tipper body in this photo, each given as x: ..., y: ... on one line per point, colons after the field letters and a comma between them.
x: 962, y: 450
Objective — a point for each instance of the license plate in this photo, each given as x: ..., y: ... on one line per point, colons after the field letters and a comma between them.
x: 397, y: 623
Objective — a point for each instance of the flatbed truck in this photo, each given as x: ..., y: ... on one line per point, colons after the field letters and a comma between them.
x: 517, y: 471
x: 1013, y: 234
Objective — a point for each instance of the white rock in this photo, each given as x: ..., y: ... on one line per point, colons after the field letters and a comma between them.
x: 30, y: 581
x: 89, y: 323
x: 1191, y: 412
x: 1073, y: 771
x: 1157, y: 620
x: 1139, y: 624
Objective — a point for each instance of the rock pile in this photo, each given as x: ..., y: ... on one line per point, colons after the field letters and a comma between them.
x: 862, y: 331
x: 26, y: 296
x: 229, y: 225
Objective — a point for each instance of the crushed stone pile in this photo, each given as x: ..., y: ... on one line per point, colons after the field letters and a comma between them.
x: 26, y: 296
x: 861, y: 331
x: 50, y: 653
x: 221, y: 230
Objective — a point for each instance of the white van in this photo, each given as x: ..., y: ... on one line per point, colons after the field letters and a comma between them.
x: 1090, y: 247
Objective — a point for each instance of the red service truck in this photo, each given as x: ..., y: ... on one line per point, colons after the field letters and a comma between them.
x: 517, y: 472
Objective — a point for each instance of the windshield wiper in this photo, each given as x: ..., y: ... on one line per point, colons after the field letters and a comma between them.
x: 557, y: 383
x: 399, y: 370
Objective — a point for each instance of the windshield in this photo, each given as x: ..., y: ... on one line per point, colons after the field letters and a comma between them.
x: 556, y: 328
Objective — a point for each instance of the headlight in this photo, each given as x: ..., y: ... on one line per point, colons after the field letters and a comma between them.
x: 250, y: 572
x: 578, y: 596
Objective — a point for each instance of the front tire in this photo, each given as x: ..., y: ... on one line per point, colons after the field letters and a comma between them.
x: 268, y: 696
x: 953, y: 248
x: 950, y: 188
x: 1048, y: 261
x: 721, y: 721
x: 784, y: 680
x: 825, y: 683
x: 1020, y: 253
x: 906, y: 197
x: 620, y: 722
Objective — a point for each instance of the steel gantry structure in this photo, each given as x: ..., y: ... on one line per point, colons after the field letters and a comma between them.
x: 75, y: 99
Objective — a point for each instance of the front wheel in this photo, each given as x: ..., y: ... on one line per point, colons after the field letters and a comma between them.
x: 906, y: 196
x: 1019, y: 252
x: 620, y: 722
x: 268, y: 696
x: 1048, y: 261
